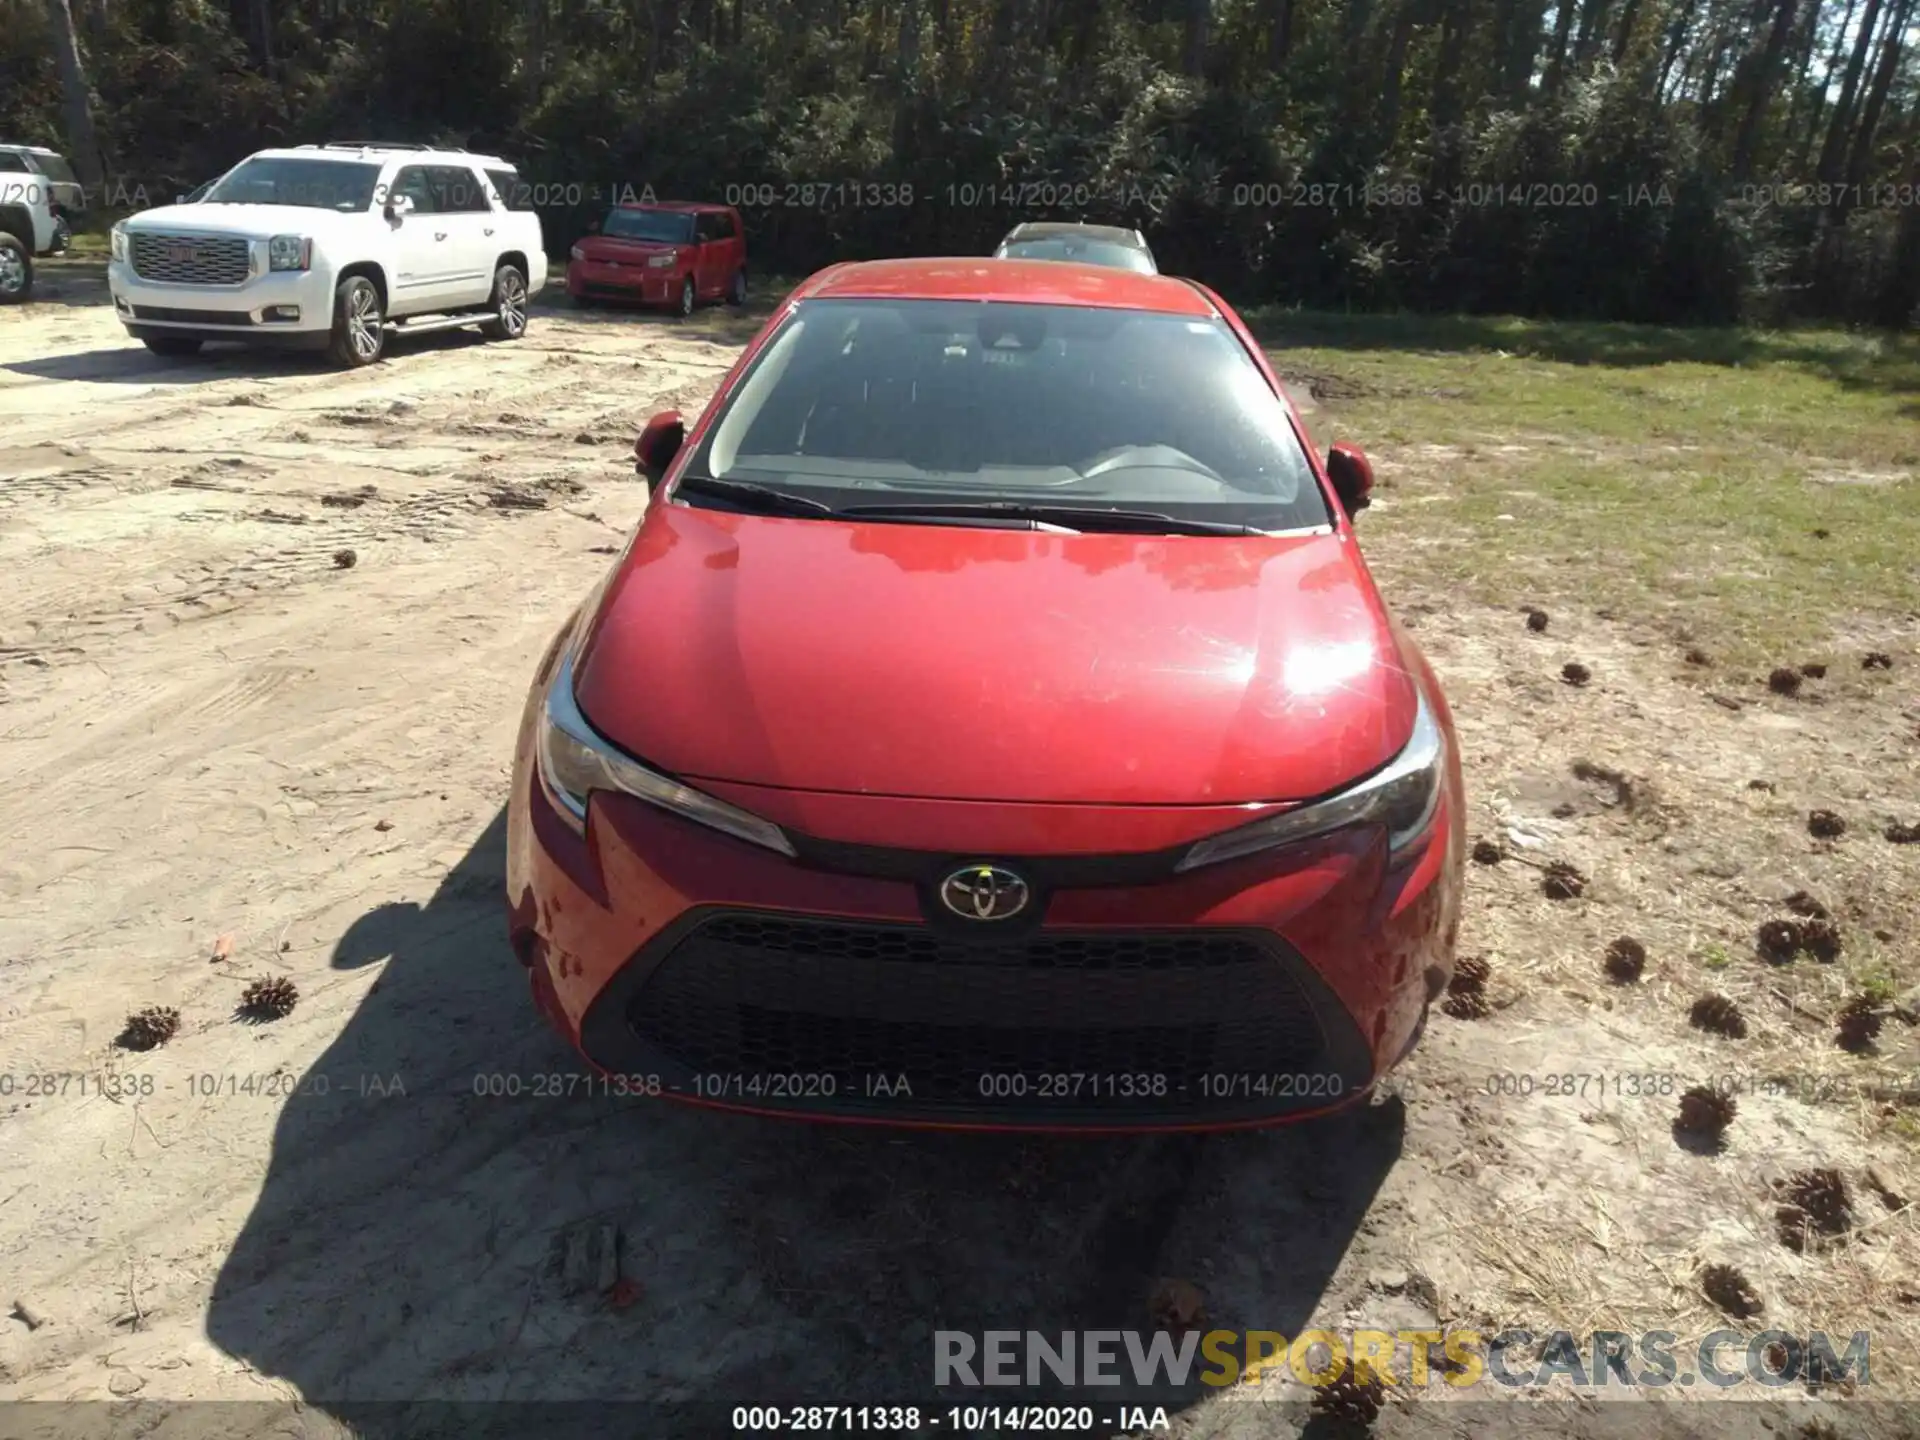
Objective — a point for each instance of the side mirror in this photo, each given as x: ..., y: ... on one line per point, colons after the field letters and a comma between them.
x: 1352, y: 476
x: 658, y: 444
x: 399, y: 205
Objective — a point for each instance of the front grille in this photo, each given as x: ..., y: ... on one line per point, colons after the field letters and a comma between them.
x: 976, y: 1027
x: 190, y: 259
x: 192, y: 317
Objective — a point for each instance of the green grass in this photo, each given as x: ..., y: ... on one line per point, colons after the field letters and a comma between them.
x: 1677, y: 473
x: 1875, y: 980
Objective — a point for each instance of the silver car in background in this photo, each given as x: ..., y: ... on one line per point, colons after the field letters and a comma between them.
x: 1088, y: 244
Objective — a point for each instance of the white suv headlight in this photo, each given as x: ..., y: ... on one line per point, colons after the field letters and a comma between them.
x: 117, y: 241
x: 289, y: 252
x: 1402, y: 797
x: 661, y: 262
x: 575, y: 760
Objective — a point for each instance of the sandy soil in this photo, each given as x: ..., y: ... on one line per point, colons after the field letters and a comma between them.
x: 263, y: 644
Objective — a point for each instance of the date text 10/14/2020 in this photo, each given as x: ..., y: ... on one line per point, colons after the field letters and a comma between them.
x: 200, y: 1085
x: 960, y: 1419
x: 1666, y: 1085
x: 1145, y: 1087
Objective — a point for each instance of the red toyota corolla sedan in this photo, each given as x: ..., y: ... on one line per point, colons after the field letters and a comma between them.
x: 992, y: 722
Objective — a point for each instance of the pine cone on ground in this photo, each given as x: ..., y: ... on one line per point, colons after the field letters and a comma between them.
x: 1825, y: 825
x: 1817, y: 1205
x: 1467, y: 1004
x: 1350, y: 1402
x: 1726, y: 1287
x: 1706, y: 1111
x: 150, y: 1028
x: 1780, y: 940
x: 269, y: 999
x: 1822, y: 940
x: 1718, y: 1015
x: 1470, y: 972
x: 1860, y: 1021
x: 1561, y: 881
x: 1626, y: 960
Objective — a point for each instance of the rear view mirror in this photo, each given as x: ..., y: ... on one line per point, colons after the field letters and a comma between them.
x: 658, y: 444
x: 1352, y: 476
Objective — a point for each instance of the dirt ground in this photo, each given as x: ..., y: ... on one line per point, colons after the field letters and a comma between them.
x: 264, y: 638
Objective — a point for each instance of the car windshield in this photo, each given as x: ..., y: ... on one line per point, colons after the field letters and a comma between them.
x: 668, y: 227
x: 1087, y: 252
x: 346, y: 185
x: 857, y: 402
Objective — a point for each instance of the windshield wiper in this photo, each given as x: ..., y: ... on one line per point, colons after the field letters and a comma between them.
x: 1146, y: 522
x: 750, y: 496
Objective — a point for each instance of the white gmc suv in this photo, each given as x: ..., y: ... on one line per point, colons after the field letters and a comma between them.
x: 333, y: 247
x: 38, y: 192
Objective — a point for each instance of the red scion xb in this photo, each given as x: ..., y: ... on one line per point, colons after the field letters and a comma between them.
x: 666, y: 253
x: 991, y: 723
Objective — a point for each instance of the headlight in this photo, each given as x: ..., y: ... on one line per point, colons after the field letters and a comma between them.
x: 117, y: 241
x: 577, y: 253
x: 575, y: 760
x: 661, y: 262
x: 289, y: 252
x: 1402, y: 798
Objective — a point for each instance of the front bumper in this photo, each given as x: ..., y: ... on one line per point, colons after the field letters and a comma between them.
x: 591, y: 280
x: 889, y: 1021
x: 687, y: 964
x: 244, y: 312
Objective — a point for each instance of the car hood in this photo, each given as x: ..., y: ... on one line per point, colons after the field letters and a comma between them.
x: 1006, y: 665
x: 256, y: 222
x: 608, y: 247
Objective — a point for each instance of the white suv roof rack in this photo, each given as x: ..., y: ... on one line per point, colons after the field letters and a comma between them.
x: 379, y: 147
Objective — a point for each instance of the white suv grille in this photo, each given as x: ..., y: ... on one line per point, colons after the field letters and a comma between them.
x: 190, y: 259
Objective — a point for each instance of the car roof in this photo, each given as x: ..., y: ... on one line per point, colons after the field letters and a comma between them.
x: 1050, y: 229
x: 1034, y: 282
x: 28, y: 149
x: 688, y: 207
x: 348, y: 151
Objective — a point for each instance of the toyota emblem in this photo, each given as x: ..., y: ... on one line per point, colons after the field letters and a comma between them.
x: 985, y: 892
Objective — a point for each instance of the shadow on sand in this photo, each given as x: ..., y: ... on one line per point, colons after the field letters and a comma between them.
x: 131, y: 363
x: 403, y: 1248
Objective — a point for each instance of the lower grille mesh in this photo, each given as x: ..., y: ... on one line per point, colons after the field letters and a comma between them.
x: 756, y: 995
x: 192, y: 317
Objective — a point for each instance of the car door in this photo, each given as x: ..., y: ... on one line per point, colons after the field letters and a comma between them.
x: 706, y: 233
x: 732, y: 246
x: 422, y: 258
x: 473, y: 239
